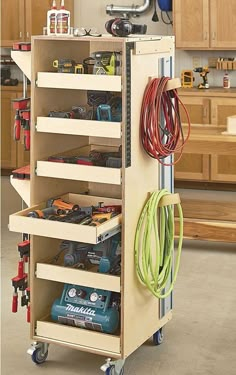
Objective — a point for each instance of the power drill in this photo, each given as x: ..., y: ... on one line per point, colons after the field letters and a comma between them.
x: 203, y: 73
x: 107, y: 62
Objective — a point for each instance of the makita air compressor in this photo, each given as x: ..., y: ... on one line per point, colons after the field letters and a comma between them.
x: 87, y: 308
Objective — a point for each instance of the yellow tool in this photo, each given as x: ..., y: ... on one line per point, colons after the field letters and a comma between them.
x: 187, y: 78
x: 203, y: 73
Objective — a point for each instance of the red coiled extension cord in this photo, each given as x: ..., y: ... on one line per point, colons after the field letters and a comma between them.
x: 160, y: 123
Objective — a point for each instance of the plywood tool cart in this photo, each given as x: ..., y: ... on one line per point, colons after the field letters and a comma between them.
x: 141, y: 314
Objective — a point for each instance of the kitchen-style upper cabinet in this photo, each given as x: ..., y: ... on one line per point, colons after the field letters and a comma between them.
x: 205, y: 24
x: 223, y: 23
x: 22, y: 18
x: 12, y: 22
x: 191, y: 23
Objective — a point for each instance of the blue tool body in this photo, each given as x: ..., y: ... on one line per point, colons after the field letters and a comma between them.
x: 85, y: 307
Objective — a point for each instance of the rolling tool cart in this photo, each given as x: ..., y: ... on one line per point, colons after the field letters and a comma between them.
x: 135, y: 314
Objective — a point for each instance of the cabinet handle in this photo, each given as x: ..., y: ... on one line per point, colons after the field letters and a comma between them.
x: 205, y: 111
x: 20, y: 34
x: 206, y: 35
x: 214, y: 35
x: 27, y: 34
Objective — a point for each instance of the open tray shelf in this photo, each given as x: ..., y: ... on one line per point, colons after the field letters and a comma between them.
x: 19, y: 222
x: 79, y: 81
x: 83, y: 339
x: 79, y: 172
x: 79, y: 127
x: 76, y: 276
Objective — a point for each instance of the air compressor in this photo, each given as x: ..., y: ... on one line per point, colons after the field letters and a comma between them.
x: 89, y: 308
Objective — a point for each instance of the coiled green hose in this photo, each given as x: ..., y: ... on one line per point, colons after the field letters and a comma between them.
x: 155, y: 230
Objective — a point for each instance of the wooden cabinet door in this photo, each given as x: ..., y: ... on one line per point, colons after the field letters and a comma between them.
x: 193, y: 167
x: 36, y: 15
x: 198, y: 109
x: 8, y: 145
x: 223, y: 168
x: 12, y: 22
x: 222, y: 24
x: 221, y: 108
x: 191, y: 23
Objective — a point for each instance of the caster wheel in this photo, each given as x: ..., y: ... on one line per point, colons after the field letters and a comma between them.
x: 38, y: 357
x: 111, y: 371
x: 158, y: 337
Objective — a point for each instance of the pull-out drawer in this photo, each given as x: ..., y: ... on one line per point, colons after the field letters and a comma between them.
x: 82, y: 339
x: 19, y: 222
x: 90, y: 128
x: 79, y: 81
x: 72, y: 275
x: 71, y: 171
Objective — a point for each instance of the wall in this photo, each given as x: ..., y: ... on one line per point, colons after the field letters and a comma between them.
x: 90, y: 13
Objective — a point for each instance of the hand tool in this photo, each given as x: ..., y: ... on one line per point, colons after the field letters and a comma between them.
x: 22, y: 120
x: 107, y: 62
x: 187, y: 78
x: 104, y: 112
x: 22, y: 173
x: 60, y: 203
x: 45, y: 212
x: 203, y: 73
x: 68, y: 66
x: 20, y: 281
x: 61, y: 114
x: 88, y: 308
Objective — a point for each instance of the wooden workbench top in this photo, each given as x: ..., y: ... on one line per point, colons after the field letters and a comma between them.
x: 17, y: 88
x: 211, y: 92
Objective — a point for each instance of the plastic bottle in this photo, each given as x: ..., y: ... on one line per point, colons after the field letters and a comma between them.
x: 63, y: 20
x: 226, y: 81
x: 51, y: 19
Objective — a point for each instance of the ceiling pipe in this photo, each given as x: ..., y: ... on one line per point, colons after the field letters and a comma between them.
x: 126, y: 11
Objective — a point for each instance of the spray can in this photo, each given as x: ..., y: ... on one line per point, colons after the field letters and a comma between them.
x: 63, y: 20
x: 51, y: 19
x: 226, y: 81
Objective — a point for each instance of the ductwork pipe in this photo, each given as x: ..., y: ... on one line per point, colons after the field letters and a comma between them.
x: 133, y: 10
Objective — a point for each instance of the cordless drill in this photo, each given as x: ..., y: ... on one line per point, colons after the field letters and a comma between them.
x: 203, y: 73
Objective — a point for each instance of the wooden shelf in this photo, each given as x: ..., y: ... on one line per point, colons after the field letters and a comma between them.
x: 75, y: 276
x: 79, y: 81
x: 105, y: 129
x: 82, y: 233
x: 79, y: 172
x: 23, y: 60
x: 22, y: 187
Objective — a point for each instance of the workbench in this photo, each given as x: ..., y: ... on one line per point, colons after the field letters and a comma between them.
x: 209, y: 215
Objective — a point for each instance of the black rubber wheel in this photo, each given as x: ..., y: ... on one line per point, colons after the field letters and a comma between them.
x: 38, y: 357
x: 111, y: 371
x: 158, y: 337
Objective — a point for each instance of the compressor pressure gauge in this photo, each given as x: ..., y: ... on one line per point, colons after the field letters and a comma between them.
x: 72, y: 292
x: 94, y: 297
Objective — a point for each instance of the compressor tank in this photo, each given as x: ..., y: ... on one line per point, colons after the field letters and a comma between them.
x: 87, y: 308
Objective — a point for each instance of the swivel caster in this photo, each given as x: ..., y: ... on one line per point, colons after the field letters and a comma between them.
x: 158, y: 337
x: 111, y: 371
x: 39, y: 357
x: 38, y: 352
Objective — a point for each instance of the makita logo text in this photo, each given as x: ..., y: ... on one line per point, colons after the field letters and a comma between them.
x: 81, y: 310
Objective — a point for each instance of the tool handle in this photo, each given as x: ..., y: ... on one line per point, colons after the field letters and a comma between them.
x: 28, y: 314
x: 27, y: 139
x: 17, y: 126
x: 21, y: 269
x: 14, y: 302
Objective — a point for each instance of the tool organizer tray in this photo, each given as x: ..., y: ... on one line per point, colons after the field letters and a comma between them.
x: 88, y: 128
x: 76, y: 276
x: 66, y: 231
x: 80, y: 172
x: 79, y: 81
x: 75, y: 337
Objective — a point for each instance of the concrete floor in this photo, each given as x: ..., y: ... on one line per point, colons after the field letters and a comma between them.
x: 200, y: 339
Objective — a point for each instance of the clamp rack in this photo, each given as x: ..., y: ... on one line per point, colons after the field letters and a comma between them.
x: 141, y: 315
